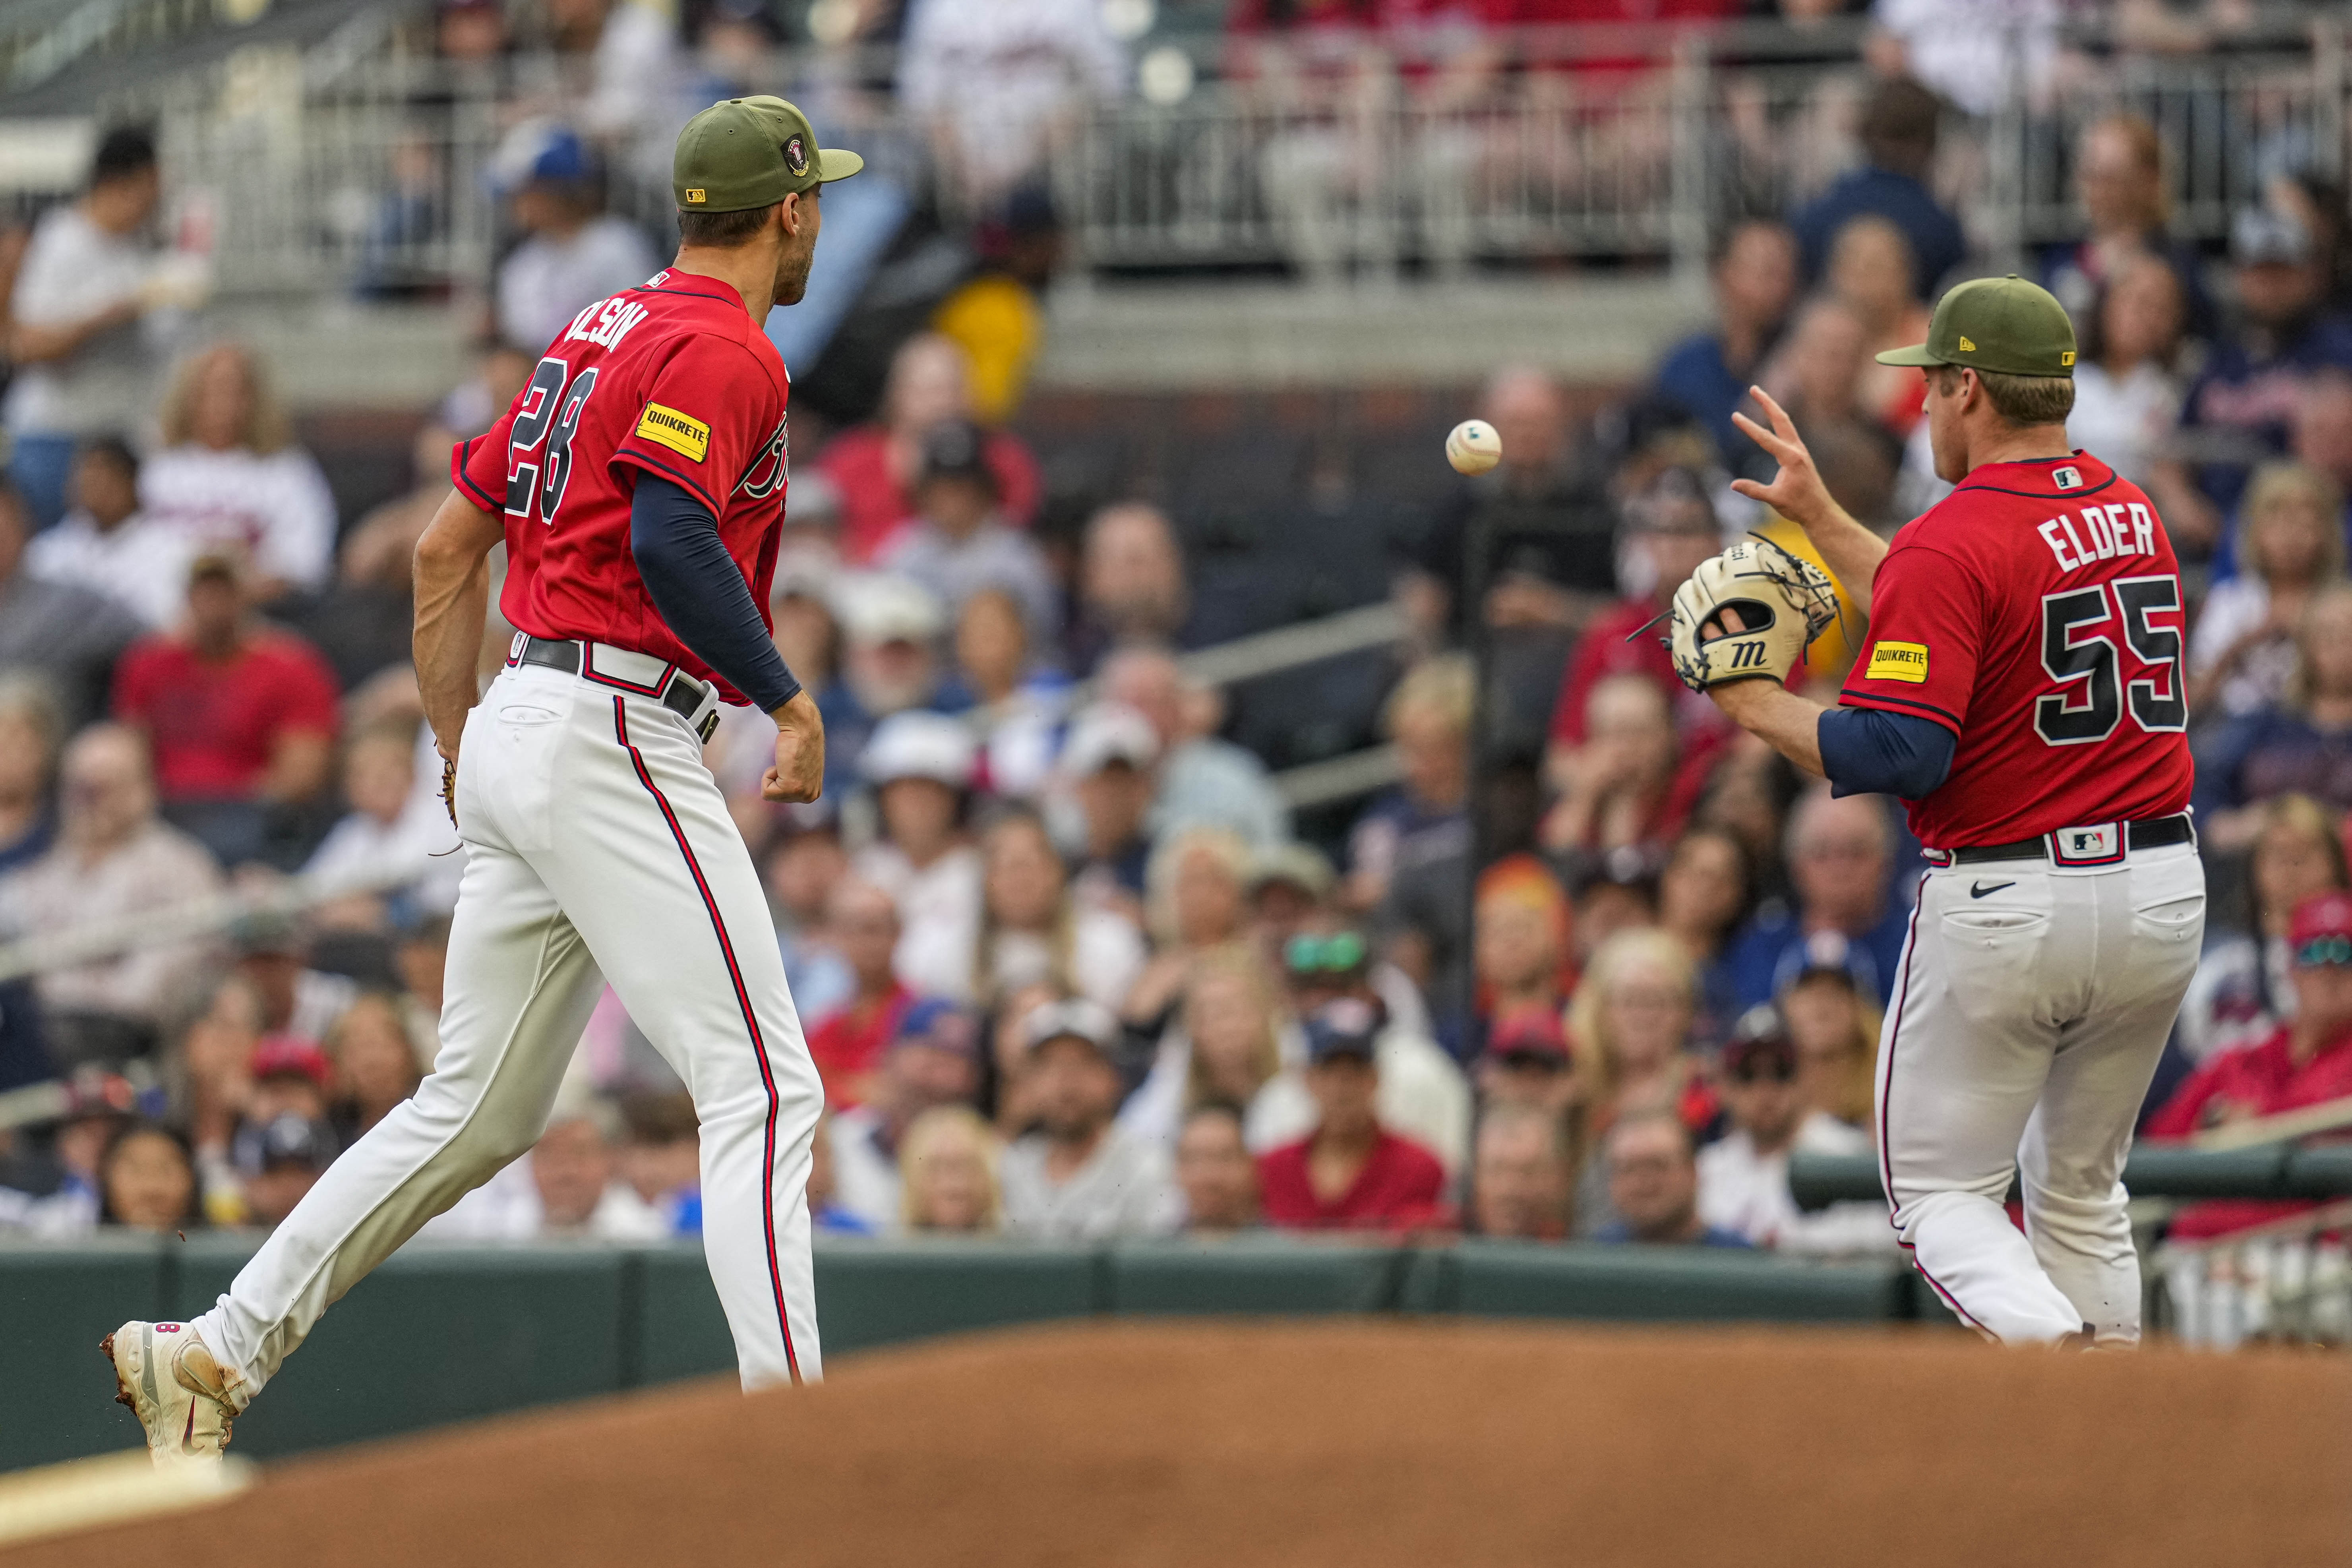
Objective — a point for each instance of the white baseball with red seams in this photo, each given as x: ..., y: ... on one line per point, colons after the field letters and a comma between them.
x: 599, y: 850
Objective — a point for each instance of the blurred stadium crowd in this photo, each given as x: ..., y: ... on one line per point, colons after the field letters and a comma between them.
x: 1074, y: 959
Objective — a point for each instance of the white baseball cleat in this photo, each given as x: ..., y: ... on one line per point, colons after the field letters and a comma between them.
x: 180, y: 1393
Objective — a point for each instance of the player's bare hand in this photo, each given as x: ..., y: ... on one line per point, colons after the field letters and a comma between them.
x: 798, y: 776
x: 1796, y: 492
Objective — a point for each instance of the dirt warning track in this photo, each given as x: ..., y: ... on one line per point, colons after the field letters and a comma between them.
x: 1356, y: 1445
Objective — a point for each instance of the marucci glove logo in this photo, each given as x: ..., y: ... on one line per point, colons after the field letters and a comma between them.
x: 680, y: 433
x: 1898, y: 661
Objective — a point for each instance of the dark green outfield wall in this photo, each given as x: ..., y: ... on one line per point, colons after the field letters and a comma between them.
x: 439, y: 1335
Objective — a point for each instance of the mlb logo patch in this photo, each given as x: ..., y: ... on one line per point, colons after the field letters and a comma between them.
x: 2098, y: 844
x: 2068, y: 479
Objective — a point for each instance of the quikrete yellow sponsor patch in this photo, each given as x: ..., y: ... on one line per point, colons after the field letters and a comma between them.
x: 679, y: 432
x: 1898, y: 661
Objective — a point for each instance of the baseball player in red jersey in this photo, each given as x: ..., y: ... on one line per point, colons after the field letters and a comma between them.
x: 638, y: 485
x: 2020, y: 687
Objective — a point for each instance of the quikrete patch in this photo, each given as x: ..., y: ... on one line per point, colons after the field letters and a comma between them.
x: 1898, y: 661
x: 679, y: 432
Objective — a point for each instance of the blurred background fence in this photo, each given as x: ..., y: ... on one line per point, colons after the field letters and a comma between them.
x: 333, y: 157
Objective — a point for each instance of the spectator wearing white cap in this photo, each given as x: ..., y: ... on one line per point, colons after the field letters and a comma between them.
x: 1081, y: 1176
x: 920, y: 765
x: 1109, y: 775
x: 891, y: 627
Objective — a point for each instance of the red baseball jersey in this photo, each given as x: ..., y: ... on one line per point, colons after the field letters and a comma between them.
x: 2036, y: 613
x: 672, y: 379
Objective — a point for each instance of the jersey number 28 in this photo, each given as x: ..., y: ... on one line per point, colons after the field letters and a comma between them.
x: 539, y: 445
x: 2092, y: 696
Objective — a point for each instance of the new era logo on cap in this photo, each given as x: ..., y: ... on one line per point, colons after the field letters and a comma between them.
x: 1967, y: 347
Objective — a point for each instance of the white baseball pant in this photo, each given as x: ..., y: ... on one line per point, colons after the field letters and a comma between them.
x: 2032, y: 1004
x: 599, y: 847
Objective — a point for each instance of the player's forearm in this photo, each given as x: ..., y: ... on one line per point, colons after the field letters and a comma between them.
x: 1787, y: 723
x: 452, y: 601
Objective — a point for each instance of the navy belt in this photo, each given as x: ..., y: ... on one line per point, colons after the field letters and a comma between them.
x: 2155, y: 833
x: 682, y: 696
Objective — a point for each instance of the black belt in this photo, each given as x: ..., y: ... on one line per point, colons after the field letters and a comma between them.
x: 2153, y: 833
x: 683, y: 696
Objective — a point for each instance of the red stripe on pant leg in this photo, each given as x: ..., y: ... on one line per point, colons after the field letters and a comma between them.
x: 1936, y: 1286
x: 1887, y: 1099
x: 1894, y: 1038
x: 750, y: 1023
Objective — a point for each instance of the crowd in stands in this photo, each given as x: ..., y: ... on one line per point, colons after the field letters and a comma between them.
x: 1592, y: 965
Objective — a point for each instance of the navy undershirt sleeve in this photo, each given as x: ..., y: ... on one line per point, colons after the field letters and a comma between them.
x: 1867, y: 751
x: 701, y: 591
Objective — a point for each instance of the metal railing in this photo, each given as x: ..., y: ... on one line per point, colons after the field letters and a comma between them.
x: 2288, y: 1281
x: 366, y: 171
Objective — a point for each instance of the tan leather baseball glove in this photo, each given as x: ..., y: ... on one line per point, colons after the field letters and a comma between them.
x: 1783, y: 601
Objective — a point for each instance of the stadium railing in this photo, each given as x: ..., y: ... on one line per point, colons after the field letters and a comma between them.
x: 362, y: 169
x: 2285, y: 1280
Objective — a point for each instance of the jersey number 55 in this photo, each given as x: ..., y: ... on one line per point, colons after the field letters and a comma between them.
x: 2079, y: 651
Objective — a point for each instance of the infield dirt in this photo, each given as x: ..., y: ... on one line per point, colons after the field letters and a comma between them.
x: 1355, y: 1444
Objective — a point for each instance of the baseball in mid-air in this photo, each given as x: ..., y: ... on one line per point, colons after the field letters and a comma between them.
x: 1473, y: 447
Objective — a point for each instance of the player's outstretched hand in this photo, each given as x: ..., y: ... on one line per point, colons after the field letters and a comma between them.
x: 798, y: 776
x: 1796, y: 492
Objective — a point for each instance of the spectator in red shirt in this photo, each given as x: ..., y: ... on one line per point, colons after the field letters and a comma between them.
x: 1632, y: 56
x: 874, y: 466
x: 1351, y: 1172
x: 862, y: 925
x: 240, y: 717
x: 2304, y: 1062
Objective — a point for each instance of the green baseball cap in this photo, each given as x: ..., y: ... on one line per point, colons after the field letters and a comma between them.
x: 2002, y: 324
x: 751, y: 152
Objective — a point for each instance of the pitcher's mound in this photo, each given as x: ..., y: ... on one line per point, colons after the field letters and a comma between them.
x: 1358, y: 1445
